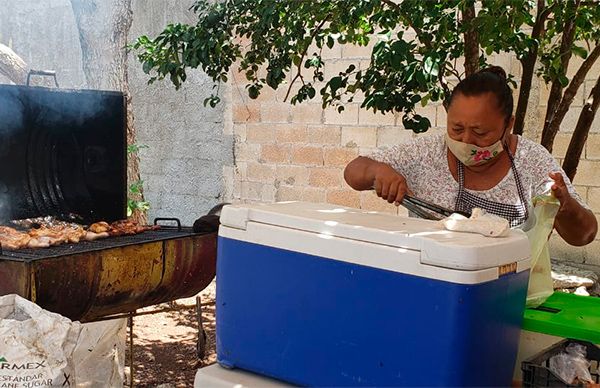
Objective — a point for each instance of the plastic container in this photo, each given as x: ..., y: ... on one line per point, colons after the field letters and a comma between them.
x: 561, y: 316
x: 536, y: 371
x: 322, y: 295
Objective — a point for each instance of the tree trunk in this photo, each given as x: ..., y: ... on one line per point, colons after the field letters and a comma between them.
x: 471, y: 39
x: 528, y: 66
x: 103, y: 34
x: 12, y: 66
x: 584, y: 123
x: 555, y: 96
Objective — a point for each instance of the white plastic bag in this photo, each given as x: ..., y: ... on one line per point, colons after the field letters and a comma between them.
x: 540, y: 279
x: 99, y: 356
x: 572, y: 365
x: 36, y: 346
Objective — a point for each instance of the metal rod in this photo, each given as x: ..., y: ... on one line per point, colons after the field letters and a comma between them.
x: 157, y: 311
x: 131, y: 368
x: 201, y: 344
x: 435, y: 208
x: 418, y: 211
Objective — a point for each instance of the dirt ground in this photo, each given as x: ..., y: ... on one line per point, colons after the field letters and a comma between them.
x: 165, y: 343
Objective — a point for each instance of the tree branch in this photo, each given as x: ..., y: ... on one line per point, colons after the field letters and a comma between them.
x: 446, y: 88
x: 408, y: 20
x: 528, y: 66
x: 555, y: 96
x: 453, y: 71
x: 396, y: 6
x: 582, y: 129
x: 571, y: 90
x: 12, y: 65
x: 299, y: 74
x: 471, y: 39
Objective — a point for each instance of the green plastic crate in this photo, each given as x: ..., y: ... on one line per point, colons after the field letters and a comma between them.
x: 567, y: 316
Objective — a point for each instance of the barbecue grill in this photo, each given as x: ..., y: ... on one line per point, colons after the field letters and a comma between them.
x: 63, y: 153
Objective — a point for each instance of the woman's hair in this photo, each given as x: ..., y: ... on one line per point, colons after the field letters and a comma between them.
x: 489, y: 80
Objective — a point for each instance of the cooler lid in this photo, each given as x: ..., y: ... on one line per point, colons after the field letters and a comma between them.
x: 437, y: 246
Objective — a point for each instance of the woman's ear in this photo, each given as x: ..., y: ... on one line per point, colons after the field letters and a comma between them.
x: 510, y: 124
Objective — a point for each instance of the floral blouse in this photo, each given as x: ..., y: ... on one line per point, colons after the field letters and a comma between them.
x: 423, y: 162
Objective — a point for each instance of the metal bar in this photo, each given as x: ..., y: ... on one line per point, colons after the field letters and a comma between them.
x: 46, y: 73
x: 432, y: 207
x: 157, y: 311
x: 201, y: 344
x: 418, y: 211
x: 131, y: 367
x: 427, y: 205
x: 171, y: 219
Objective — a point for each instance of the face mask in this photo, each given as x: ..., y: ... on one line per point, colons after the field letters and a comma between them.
x: 472, y: 155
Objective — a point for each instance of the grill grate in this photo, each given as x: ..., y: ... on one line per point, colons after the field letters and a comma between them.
x: 164, y: 233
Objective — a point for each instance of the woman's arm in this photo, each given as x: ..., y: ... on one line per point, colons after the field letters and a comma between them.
x: 364, y: 174
x: 574, y: 223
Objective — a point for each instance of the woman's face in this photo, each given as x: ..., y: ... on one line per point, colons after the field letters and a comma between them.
x: 476, y: 120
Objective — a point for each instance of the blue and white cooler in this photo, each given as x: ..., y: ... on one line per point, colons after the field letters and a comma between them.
x: 323, y: 295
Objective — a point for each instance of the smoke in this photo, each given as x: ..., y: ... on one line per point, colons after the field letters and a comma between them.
x: 53, y: 108
x: 26, y: 107
x: 11, y: 119
x: 12, y: 110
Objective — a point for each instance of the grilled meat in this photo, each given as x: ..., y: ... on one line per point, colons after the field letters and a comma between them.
x: 91, y: 236
x: 127, y: 227
x: 99, y: 227
x: 59, y: 233
x: 36, y: 222
x: 48, y: 231
x: 11, y: 238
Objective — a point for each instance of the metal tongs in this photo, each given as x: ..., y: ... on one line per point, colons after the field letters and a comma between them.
x: 416, y: 206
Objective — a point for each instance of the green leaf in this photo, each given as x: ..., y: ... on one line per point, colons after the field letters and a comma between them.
x: 431, y: 66
x: 330, y: 42
x: 579, y: 51
x: 253, y: 92
x: 335, y: 84
x: 135, y: 148
x: 564, y: 81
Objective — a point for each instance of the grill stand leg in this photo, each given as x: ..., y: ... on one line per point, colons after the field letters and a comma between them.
x: 131, y: 368
x: 201, y: 344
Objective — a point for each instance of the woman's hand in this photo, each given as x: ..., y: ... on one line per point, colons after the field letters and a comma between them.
x: 560, y: 191
x: 365, y: 174
x: 389, y: 184
x: 575, y: 224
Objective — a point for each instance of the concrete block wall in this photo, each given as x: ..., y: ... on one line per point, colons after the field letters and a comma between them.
x: 285, y: 152
x: 44, y: 34
x: 188, y: 144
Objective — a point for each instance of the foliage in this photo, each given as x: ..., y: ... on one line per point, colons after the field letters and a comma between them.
x: 417, y: 46
x: 135, y: 199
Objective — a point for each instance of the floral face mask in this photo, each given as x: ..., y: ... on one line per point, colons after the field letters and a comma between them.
x: 472, y: 155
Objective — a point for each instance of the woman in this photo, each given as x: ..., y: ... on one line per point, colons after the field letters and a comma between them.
x: 478, y: 162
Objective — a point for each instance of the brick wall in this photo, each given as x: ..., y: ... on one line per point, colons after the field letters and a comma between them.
x: 285, y: 152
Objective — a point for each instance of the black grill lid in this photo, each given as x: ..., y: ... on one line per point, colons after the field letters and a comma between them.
x: 62, y: 153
